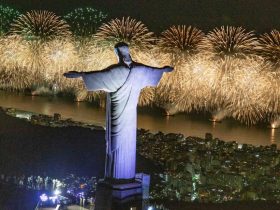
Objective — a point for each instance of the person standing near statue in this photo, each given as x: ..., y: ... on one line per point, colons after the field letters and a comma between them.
x: 123, y: 83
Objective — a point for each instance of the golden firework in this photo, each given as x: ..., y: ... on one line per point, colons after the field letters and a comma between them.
x: 179, y: 43
x: 197, y: 84
x: 128, y: 30
x: 243, y: 90
x: 16, y: 72
x: 180, y: 40
x: 229, y: 41
x: 40, y: 25
x: 269, y: 47
x: 59, y: 56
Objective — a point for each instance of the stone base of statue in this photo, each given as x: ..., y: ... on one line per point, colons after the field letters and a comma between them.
x: 116, y: 194
x: 124, y: 189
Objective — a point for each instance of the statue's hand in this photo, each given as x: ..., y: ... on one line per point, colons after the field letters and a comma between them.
x: 72, y: 74
x: 168, y: 69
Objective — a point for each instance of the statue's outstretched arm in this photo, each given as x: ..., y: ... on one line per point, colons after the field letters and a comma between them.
x: 153, y: 75
x: 73, y: 74
x: 158, y: 69
x: 164, y: 69
x: 77, y: 74
x: 109, y: 79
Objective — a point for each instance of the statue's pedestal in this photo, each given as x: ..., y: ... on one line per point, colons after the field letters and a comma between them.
x: 121, y: 194
x: 123, y: 191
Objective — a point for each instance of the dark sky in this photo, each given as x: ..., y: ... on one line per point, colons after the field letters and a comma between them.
x: 260, y: 15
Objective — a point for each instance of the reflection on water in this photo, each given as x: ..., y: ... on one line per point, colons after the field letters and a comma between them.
x: 272, y: 136
x: 188, y: 125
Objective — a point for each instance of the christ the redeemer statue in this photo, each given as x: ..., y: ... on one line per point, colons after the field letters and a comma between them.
x: 123, y: 83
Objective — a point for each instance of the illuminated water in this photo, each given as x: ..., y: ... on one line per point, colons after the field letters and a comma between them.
x: 189, y: 125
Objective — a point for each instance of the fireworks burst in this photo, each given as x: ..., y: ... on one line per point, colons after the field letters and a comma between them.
x: 59, y: 56
x: 229, y: 41
x: 243, y: 90
x: 7, y: 15
x: 197, y: 84
x: 17, y: 52
x: 179, y: 43
x: 225, y: 78
x: 273, y: 95
x: 40, y: 25
x: 12, y: 51
x: 16, y: 73
x: 36, y: 28
x: 85, y: 21
x: 128, y: 30
x: 179, y: 40
x: 269, y: 47
x: 15, y: 79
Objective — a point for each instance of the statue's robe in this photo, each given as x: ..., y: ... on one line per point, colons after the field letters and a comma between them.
x: 123, y: 85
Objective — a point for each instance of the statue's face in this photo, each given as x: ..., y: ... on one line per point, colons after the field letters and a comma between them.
x: 123, y: 55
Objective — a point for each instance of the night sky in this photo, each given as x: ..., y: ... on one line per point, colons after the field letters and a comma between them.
x: 259, y: 15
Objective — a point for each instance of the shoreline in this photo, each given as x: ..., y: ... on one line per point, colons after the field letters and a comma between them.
x: 194, y: 124
x: 57, y: 121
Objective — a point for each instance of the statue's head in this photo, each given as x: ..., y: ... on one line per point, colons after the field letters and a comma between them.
x: 122, y: 52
